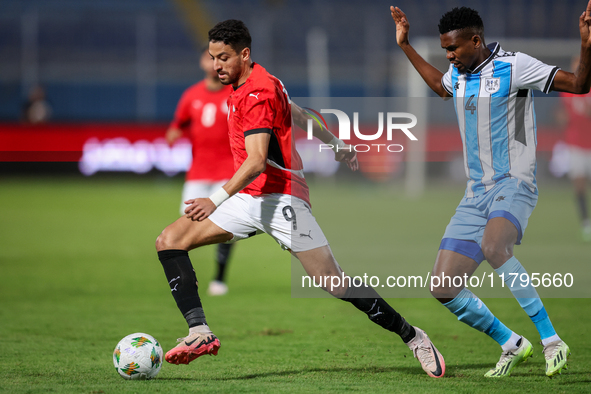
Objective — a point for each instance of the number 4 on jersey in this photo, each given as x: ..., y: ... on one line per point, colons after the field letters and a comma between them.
x: 470, y: 105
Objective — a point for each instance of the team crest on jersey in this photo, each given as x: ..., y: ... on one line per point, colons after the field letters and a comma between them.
x: 492, y: 85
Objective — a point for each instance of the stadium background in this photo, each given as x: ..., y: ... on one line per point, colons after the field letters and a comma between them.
x: 129, y: 61
x: 74, y: 248
x: 97, y: 58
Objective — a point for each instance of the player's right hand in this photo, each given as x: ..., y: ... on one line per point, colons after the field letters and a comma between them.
x: 172, y: 135
x: 402, y: 25
x: 349, y: 156
x: 199, y: 208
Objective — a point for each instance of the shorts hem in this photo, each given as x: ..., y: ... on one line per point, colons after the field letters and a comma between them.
x: 464, y: 247
x: 234, y: 237
x: 305, y: 249
x: 510, y: 217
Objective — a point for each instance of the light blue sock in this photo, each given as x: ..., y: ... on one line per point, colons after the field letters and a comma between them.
x: 499, y: 332
x: 543, y: 324
x: 471, y: 310
x: 527, y: 296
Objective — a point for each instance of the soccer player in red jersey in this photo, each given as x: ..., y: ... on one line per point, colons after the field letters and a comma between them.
x: 267, y: 193
x: 578, y: 138
x: 202, y: 111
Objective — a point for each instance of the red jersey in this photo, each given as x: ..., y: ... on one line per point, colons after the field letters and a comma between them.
x: 261, y: 105
x: 578, y: 130
x: 203, y: 113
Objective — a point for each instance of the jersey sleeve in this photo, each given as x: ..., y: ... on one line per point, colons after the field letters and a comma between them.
x: 533, y: 74
x: 446, y: 81
x: 182, y: 115
x: 258, y: 114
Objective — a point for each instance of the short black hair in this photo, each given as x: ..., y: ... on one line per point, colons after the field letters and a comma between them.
x: 231, y: 32
x: 460, y: 19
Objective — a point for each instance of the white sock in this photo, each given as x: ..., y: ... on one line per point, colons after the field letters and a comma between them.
x: 201, y: 329
x: 551, y: 339
x: 511, y: 342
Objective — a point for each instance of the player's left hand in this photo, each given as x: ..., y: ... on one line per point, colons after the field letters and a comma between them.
x: 402, y: 25
x: 585, y: 26
x: 199, y: 208
x: 349, y: 156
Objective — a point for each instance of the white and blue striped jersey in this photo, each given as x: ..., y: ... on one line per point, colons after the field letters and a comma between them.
x: 495, y: 110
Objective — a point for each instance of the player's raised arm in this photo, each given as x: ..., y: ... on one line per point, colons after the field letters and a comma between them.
x: 343, y: 152
x: 430, y: 74
x: 402, y: 26
x: 580, y: 81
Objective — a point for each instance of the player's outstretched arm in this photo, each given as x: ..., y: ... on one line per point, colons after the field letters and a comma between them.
x: 430, y: 74
x: 580, y: 81
x: 343, y: 153
x: 257, y: 146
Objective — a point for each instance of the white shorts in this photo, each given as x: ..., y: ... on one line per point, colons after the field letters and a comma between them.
x: 199, y: 189
x: 287, y: 219
x: 580, y: 162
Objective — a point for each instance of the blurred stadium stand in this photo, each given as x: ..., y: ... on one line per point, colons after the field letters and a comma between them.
x: 128, y: 60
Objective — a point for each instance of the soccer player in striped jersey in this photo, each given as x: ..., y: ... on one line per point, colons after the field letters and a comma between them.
x: 492, y: 91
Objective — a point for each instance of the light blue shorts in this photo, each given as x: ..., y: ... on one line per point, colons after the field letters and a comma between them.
x: 510, y: 199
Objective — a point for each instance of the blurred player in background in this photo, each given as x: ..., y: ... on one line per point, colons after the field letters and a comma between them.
x: 578, y: 138
x: 492, y: 94
x: 36, y: 109
x: 203, y: 111
x: 268, y: 193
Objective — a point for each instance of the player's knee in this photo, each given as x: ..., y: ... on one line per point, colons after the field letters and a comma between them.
x: 165, y: 241
x: 496, y: 254
x: 160, y: 242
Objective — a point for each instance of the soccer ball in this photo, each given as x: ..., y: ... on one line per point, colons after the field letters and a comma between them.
x: 138, y: 356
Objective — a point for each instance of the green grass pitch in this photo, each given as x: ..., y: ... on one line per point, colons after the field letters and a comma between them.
x: 78, y: 271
